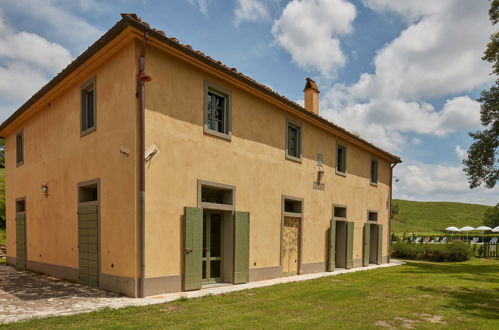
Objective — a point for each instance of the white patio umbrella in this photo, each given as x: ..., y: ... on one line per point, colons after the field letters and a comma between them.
x: 495, y: 230
x: 452, y: 229
x: 467, y: 229
x: 483, y: 229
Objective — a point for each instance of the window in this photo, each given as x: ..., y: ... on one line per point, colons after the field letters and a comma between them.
x: 339, y: 212
x: 88, y: 193
x: 88, y: 107
x: 217, y: 111
x: 20, y: 148
x: 374, y: 171
x: 293, y: 143
x: 372, y: 216
x: 292, y: 205
x: 212, y: 195
x: 341, y: 159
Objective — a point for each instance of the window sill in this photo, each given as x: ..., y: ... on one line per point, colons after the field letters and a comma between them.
x: 88, y: 131
x: 20, y: 163
x: 293, y: 158
x: 224, y: 136
x: 343, y: 174
x: 373, y: 184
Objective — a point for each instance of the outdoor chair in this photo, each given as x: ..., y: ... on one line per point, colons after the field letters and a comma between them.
x: 418, y: 239
x: 444, y: 240
x: 494, y: 240
x: 475, y: 240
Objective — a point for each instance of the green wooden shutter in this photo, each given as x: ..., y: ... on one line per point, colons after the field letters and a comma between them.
x: 193, y: 244
x: 21, y: 241
x: 350, y: 227
x: 367, y: 243
x: 332, y: 246
x: 88, y: 245
x: 241, y: 247
x: 379, y: 258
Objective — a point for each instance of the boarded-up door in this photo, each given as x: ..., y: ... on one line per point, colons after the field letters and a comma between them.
x: 290, y: 245
x: 379, y: 258
x: 367, y: 243
x: 193, y: 245
x: 88, y: 244
x: 350, y: 228
x: 21, y: 240
x: 241, y: 247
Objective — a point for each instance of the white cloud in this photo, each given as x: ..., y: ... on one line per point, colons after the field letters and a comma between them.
x: 53, y: 19
x: 251, y: 11
x: 432, y: 58
x: 310, y: 31
x: 415, y: 141
x: 26, y: 62
x: 202, y: 4
x: 442, y: 182
x: 460, y: 152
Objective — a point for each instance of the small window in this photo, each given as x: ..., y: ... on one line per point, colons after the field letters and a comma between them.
x: 88, y: 107
x: 292, y: 206
x: 293, y: 141
x: 373, y: 216
x: 217, y: 111
x: 339, y: 212
x: 21, y: 205
x: 216, y: 195
x: 88, y: 193
x: 341, y: 159
x: 20, y: 148
x: 374, y: 171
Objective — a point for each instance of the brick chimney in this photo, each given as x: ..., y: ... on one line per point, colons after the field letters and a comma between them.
x: 311, y: 96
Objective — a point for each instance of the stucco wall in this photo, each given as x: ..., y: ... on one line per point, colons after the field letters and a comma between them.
x: 55, y: 153
x: 253, y: 161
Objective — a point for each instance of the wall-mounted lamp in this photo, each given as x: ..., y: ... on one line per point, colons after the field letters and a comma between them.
x: 320, y: 173
x: 45, y: 188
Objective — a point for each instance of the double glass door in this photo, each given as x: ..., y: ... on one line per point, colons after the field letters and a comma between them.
x: 212, y: 247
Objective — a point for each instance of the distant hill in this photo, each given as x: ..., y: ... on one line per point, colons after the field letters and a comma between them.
x: 435, y: 216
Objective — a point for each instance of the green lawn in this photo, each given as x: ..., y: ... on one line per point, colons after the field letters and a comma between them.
x: 2, y: 236
x: 416, y: 295
x: 436, y: 216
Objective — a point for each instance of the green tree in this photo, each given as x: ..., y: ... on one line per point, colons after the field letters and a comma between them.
x: 2, y: 153
x: 491, y: 217
x: 482, y: 164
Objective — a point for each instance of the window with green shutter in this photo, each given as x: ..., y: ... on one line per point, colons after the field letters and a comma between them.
x: 293, y: 141
x: 341, y: 159
x: 374, y: 171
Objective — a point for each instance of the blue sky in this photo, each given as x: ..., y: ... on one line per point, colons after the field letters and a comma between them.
x: 403, y: 74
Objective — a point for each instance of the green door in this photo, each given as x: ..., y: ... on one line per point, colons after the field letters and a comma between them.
x: 88, y: 245
x: 367, y: 243
x: 212, y: 260
x: 332, y: 246
x: 350, y: 228
x: 241, y: 247
x: 193, y: 245
x: 379, y: 258
x: 21, y: 240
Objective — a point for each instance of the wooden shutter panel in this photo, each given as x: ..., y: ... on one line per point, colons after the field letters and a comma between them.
x: 193, y: 248
x: 380, y: 245
x: 241, y: 247
x: 367, y: 243
x: 332, y: 246
x: 21, y: 241
x: 350, y: 227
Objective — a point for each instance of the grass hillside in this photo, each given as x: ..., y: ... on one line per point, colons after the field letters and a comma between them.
x: 435, y: 216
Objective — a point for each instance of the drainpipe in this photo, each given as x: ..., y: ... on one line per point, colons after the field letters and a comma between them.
x: 390, y: 214
x: 142, y: 78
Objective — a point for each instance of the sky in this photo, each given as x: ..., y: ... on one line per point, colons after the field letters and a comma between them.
x: 402, y: 74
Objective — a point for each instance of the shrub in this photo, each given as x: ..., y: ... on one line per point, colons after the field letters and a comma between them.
x: 455, y: 251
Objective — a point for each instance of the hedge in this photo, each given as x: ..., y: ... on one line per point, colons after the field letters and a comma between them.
x: 455, y: 251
